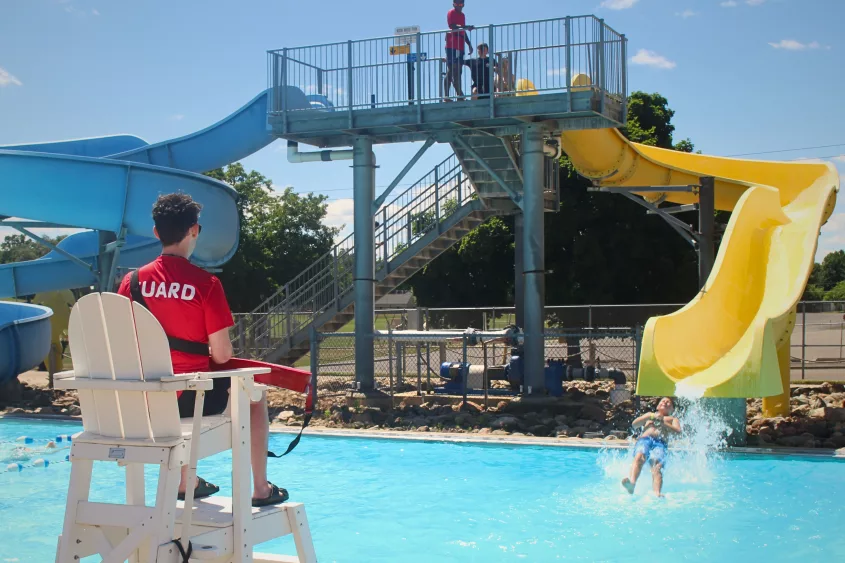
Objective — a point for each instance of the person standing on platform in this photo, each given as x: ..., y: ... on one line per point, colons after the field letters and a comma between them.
x: 455, y: 41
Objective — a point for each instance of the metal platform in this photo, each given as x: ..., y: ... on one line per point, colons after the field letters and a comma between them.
x: 567, y: 73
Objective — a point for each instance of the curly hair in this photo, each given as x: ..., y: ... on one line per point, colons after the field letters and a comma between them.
x: 174, y: 215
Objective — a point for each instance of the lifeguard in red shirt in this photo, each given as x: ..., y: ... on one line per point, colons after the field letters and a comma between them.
x: 455, y: 41
x: 193, y: 311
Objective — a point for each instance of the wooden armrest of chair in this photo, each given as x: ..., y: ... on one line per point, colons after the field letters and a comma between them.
x: 187, y: 382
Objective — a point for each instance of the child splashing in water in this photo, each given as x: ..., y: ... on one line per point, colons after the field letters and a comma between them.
x: 652, y: 444
x: 17, y: 453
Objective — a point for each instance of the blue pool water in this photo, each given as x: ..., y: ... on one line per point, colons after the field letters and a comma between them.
x: 386, y: 500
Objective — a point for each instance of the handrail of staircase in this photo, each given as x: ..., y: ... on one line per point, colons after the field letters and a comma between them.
x: 444, y: 183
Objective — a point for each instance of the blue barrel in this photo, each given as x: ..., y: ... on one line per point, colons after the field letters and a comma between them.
x: 554, y: 377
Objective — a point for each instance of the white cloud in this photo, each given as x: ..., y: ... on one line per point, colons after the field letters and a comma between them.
x: 341, y: 214
x: 755, y: 2
x: 840, y: 158
x: 8, y: 79
x: 556, y: 71
x: 650, y: 58
x: 793, y: 45
x: 686, y: 14
x: 618, y: 4
x: 177, y: 117
x: 729, y: 4
x: 832, y: 236
x: 95, y: 12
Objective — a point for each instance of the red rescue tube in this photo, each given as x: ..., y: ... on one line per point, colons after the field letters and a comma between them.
x: 283, y: 377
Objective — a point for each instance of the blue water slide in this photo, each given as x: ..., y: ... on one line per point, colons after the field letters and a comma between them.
x: 108, y: 184
x: 24, y: 337
x: 55, y: 272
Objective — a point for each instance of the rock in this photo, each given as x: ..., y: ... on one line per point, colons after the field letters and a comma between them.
x: 44, y: 410
x: 828, y: 414
x: 817, y: 403
x: 506, y: 422
x: 840, y: 452
x: 500, y: 432
x: 619, y: 434
x: 517, y: 434
x: 611, y: 438
x: 423, y: 429
x: 797, y: 442
x: 74, y: 410
x: 802, y: 399
x: 485, y: 431
x: 463, y: 419
x: 561, y: 419
x: 578, y: 431
x: 286, y: 415
x: 540, y: 430
x: 593, y: 413
x: 362, y: 418
x: 802, y: 410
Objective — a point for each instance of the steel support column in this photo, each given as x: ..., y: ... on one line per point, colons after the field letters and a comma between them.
x: 106, y: 262
x: 364, y: 190
x: 533, y: 246
x: 732, y: 411
x: 706, y: 228
x: 519, y: 282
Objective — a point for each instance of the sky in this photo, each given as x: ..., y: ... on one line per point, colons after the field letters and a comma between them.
x: 745, y: 77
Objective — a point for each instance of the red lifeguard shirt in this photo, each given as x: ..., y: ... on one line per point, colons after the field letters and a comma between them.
x: 188, y: 302
x: 455, y: 39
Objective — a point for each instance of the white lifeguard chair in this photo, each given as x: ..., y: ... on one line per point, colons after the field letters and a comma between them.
x: 127, y: 392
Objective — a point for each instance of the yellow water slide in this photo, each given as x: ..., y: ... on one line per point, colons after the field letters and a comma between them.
x: 732, y: 340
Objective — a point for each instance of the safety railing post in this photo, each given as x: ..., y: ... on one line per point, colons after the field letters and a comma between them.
x: 601, y: 66
x: 419, y: 77
x: 460, y: 188
x: 288, y: 313
x: 419, y: 369
x: 384, y: 230
x: 437, y: 195
x: 624, y: 69
x: 410, y: 228
x: 241, y: 334
x: 491, y: 54
x: 336, y: 270
x: 568, y: 47
x: 349, y: 96
x: 390, y: 362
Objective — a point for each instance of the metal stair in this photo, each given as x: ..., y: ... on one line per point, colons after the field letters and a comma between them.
x: 481, y: 153
x: 411, y: 231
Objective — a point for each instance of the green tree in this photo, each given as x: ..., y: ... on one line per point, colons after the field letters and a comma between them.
x: 813, y: 293
x: 281, y: 235
x: 837, y: 293
x: 20, y: 248
x: 832, y: 270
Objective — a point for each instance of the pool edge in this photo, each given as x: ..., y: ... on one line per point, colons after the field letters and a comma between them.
x: 572, y: 443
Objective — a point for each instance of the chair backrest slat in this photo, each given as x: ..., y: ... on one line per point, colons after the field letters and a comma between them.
x: 126, y: 364
x: 99, y: 364
x: 155, y: 362
x: 76, y: 342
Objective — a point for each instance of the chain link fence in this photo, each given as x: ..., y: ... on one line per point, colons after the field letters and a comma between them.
x: 410, y: 364
x: 817, y: 347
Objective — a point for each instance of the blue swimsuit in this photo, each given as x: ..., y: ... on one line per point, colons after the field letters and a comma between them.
x: 654, y: 449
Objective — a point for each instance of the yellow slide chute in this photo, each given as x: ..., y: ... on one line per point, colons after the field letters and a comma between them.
x: 732, y: 340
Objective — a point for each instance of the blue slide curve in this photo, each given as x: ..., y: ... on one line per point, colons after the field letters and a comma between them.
x: 109, y: 184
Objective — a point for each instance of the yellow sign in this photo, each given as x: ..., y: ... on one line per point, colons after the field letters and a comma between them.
x: 400, y: 50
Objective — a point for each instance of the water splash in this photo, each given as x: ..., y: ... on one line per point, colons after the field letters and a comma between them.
x: 694, y: 456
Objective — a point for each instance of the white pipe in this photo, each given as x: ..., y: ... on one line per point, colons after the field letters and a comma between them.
x: 295, y: 157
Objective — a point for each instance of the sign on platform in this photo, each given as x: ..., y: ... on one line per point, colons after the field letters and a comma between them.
x: 400, y: 50
x: 412, y: 58
x: 408, y: 33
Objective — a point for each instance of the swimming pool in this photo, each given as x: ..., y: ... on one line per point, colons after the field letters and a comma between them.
x: 409, y: 501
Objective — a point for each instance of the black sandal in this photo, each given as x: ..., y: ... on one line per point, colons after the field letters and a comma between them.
x: 277, y: 496
x: 204, y: 490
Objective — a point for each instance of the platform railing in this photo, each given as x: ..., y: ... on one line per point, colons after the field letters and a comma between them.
x: 410, y: 69
x: 324, y: 284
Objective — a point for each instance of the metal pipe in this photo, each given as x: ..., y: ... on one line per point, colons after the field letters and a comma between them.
x: 296, y: 157
x: 535, y: 261
x: 364, y: 182
x: 519, y: 263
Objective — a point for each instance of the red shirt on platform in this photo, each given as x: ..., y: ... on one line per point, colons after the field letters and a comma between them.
x: 188, y: 302
x: 455, y: 39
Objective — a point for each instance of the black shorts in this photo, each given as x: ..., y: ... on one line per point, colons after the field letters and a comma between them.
x: 215, y: 403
